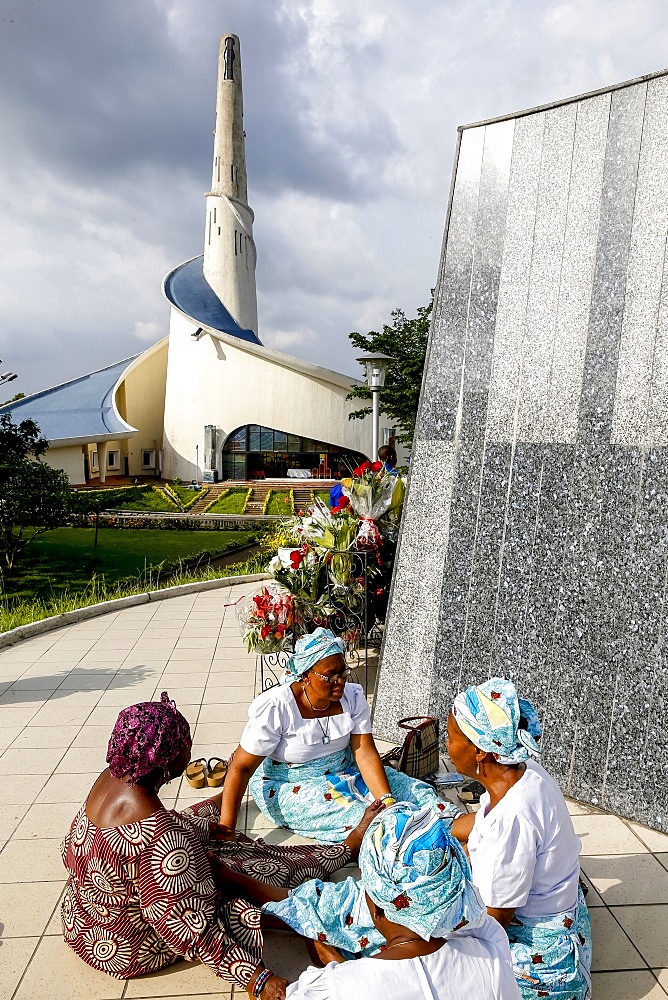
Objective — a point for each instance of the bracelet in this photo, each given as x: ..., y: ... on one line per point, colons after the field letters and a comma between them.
x: 261, y: 981
x: 388, y: 799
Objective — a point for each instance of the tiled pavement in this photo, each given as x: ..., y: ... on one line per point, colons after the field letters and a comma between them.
x: 60, y: 694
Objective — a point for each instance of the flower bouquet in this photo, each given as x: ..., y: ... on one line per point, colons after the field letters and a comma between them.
x: 370, y: 496
x: 267, y: 619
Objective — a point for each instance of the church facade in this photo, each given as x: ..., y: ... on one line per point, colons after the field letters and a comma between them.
x: 210, y: 400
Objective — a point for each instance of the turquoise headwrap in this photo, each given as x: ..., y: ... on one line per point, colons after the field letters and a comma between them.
x: 489, y: 714
x: 309, y: 650
x: 417, y: 872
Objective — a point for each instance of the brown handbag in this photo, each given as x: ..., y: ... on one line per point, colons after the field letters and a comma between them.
x: 418, y: 754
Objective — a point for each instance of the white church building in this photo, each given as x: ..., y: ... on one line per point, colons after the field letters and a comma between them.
x: 209, y: 401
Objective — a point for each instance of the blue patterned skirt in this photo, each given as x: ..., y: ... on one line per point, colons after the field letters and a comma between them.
x: 552, y: 955
x: 325, y: 798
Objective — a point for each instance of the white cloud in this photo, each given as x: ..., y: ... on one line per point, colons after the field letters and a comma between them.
x: 351, y: 113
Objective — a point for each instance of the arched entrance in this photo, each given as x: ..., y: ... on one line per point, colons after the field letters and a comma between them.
x: 255, y: 452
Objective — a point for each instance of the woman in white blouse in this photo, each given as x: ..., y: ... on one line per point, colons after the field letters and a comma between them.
x: 307, y: 753
x: 523, y: 849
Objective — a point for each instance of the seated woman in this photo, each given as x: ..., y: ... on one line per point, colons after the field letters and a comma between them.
x: 523, y: 848
x: 140, y: 892
x: 307, y: 753
x: 415, y: 909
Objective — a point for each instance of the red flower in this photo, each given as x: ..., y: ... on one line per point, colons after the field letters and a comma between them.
x: 296, y: 559
x: 341, y: 504
x: 364, y: 942
x: 361, y: 469
x: 402, y: 901
x: 568, y: 923
x: 328, y: 796
x: 296, y: 789
x: 272, y: 792
x: 440, y: 806
x: 264, y: 631
x: 349, y: 920
x: 495, y: 695
x: 322, y: 937
x: 537, y: 959
x: 300, y: 513
x: 376, y: 467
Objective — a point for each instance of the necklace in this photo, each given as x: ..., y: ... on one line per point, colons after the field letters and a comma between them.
x: 323, y: 729
x: 405, y: 941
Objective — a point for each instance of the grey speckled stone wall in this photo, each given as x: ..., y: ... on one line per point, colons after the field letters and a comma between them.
x: 534, y: 537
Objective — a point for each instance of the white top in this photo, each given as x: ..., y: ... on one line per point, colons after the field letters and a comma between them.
x: 276, y: 729
x: 524, y: 852
x: 472, y: 964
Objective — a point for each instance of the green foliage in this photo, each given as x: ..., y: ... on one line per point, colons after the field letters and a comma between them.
x: 322, y: 495
x: 280, y: 503
x: 231, y: 501
x: 150, y: 499
x: 19, y: 442
x: 187, y: 498
x: 406, y: 340
x: 62, y: 560
x: 34, y: 498
x: 15, y: 612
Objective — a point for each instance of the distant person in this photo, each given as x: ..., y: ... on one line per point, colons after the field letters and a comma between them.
x: 336, y: 492
x: 388, y: 457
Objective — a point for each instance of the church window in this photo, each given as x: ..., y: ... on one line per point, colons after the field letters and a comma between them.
x: 214, y: 215
x: 93, y: 460
x: 255, y: 452
x: 235, y: 243
x: 113, y: 459
x: 148, y: 460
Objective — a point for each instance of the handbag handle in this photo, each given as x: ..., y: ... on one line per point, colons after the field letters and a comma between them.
x: 423, y: 719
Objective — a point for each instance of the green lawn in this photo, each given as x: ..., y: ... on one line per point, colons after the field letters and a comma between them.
x: 280, y: 502
x: 231, y: 502
x: 63, y: 559
x: 151, y: 499
x: 187, y: 497
x: 323, y: 495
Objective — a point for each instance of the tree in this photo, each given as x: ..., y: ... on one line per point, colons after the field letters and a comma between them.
x: 34, y: 498
x: 19, y: 442
x: 406, y: 340
x: 93, y: 503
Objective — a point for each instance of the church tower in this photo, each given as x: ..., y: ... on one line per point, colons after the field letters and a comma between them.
x: 229, y: 248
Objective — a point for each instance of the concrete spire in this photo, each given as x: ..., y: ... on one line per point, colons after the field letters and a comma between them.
x: 229, y: 248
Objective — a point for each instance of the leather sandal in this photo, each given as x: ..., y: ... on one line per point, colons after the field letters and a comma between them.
x: 196, y: 773
x: 216, y: 772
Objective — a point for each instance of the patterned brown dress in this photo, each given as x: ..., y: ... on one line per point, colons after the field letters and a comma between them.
x: 140, y: 896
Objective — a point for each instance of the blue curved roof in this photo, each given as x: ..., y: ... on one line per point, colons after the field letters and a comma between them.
x: 187, y: 289
x: 82, y: 408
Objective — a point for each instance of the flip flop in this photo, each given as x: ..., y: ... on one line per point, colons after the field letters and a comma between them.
x: 196, y: 773
x: 216, y: 772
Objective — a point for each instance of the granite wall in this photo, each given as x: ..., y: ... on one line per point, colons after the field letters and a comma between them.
x: 534, y: 536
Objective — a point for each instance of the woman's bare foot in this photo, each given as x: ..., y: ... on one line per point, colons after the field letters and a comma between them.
x: 354, y: 839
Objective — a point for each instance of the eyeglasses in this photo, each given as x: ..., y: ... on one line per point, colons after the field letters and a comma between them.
x: 333, y: 678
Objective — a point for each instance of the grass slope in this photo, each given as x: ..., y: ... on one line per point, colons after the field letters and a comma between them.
x: 280, y: 502
x: 233, y: 501
x: 63, y: 559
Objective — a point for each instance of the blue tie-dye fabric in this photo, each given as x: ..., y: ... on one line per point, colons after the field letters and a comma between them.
x: 325, y: 798
x: 489, y: 715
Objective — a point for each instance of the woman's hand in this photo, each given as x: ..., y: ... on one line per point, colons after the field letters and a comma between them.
x: 274, y: 988
x: 326, y: 953
x: 218, y: 832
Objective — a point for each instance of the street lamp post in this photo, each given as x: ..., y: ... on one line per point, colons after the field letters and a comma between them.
x: 375, y: 369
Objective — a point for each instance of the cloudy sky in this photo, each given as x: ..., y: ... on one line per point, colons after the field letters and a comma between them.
x: 351, y: 110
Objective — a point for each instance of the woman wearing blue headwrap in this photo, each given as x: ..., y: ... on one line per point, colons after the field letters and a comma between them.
x: 307, y: 753
x: 415, y: 910
x: 523, y: 849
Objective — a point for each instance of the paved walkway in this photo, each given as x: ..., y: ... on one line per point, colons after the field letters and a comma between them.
x: 59, y: 696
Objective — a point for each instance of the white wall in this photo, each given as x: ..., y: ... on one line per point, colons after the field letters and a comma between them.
x: 140, y: 399
x: 209, y: 382
x: 70, y: 460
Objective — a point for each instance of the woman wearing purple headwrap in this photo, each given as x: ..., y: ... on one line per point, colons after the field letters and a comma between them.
x: 141, y: 891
